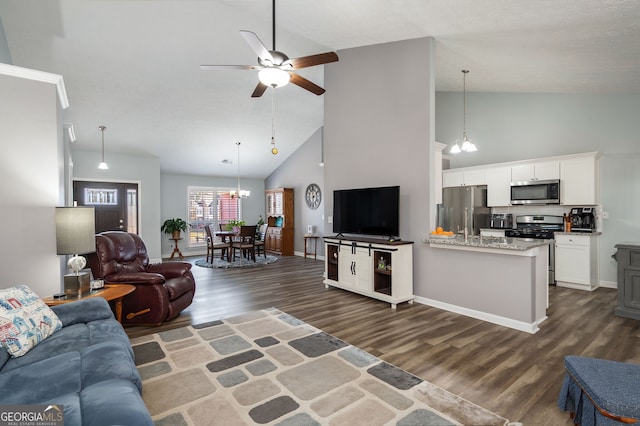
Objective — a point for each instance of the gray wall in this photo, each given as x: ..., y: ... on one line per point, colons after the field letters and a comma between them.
x: 143, y: 170
x: 31, y: 184
x: 379, y: 132
x: 5, y: 54
x: 521, y: 126
x: 174, y: 202
x: 300, y: 170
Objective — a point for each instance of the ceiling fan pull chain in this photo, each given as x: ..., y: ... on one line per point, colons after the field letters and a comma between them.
x: 274, y: 150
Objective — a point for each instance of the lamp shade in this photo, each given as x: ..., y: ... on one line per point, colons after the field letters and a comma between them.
x: 75, y: 230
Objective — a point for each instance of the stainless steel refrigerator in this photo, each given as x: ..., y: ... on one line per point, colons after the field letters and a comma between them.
x: 455, y: 200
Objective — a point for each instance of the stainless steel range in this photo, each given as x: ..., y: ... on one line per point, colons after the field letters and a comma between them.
x: 539, y: 227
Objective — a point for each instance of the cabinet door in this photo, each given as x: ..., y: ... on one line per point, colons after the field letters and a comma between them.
x: 474, y: 177
x: 547, y: 170
x: 498, y: 186
x: 578, y: 182
x: 572, y: 263
x: 452, y: 178
x: 346, y: 267
x: 522, y: 173
x: 631, y: 289
x: 363, y: 267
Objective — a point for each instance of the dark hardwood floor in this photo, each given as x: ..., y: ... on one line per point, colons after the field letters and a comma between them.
x: 515, y: 374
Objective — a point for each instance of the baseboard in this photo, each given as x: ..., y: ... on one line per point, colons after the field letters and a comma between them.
x: 531, y: 328
x: 609, y: 284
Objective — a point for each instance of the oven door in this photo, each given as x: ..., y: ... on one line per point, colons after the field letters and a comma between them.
x: 535, y: 192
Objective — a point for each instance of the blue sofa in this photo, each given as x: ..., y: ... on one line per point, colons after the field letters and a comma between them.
x: 87, y: 366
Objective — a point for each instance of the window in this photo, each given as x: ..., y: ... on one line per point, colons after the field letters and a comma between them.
x: 209, y: 206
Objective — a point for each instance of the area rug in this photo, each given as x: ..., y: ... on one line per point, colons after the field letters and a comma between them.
x: 240, y: 262
x: 267, y: 367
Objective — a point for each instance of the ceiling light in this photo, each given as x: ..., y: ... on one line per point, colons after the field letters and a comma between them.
x: 465, y: 145
x: 103, y: 165
x: 274, y: 77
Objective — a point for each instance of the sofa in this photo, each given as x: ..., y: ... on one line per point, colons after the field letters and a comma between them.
x: 87, y: 366
x: 163, y: 290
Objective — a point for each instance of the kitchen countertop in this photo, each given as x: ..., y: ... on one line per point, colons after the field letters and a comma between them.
x: 588, y: 234
x: 519, y: 244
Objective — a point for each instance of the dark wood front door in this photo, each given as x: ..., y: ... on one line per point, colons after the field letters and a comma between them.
x: 116, y: 204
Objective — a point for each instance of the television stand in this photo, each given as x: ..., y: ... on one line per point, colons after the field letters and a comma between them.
x: 376, y: 268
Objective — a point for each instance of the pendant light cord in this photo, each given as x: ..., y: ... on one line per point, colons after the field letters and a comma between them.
x: 464, y: 103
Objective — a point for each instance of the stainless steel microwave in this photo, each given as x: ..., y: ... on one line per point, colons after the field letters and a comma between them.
x: 535, y: 192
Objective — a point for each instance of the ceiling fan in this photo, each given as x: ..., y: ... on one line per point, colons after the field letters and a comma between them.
x: 276, y: 69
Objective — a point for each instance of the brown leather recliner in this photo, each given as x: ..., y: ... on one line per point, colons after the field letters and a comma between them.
x: 163, y: 290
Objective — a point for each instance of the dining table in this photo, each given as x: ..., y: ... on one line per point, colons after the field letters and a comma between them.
x: 226, y: 237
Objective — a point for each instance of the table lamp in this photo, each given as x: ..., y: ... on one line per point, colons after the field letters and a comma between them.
x: 75, y: 234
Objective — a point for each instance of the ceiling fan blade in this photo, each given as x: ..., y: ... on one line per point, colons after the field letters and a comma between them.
x: 257, y: 46
x: 300, y: 81
x: 229, y: 67
x: 259, y: 90
x: 313, y: 60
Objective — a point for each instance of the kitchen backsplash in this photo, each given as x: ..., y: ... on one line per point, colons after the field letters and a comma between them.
x: 551, y: 210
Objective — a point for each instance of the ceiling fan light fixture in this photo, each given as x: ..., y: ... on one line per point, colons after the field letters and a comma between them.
x: 274, y: 77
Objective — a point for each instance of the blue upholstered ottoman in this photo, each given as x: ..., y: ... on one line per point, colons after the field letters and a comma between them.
x: 600, y: 392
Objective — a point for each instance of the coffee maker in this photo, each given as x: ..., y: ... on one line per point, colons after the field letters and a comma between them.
x: 501, y: 221
x: 583, y: 219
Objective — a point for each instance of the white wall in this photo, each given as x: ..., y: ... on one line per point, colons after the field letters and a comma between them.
x: 174, y: 202
x: 379, y: 132
x: 300, y: 170
x: 518, y: 126
x: 143, y: 170
x: 30, y: 184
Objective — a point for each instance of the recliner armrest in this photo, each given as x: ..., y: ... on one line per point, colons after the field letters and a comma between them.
x: 170, y: 269
x: 138, y: 278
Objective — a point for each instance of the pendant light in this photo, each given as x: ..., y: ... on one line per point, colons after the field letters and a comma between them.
x: 239, y: 193
x: 103, y: 165
x: 466, y: 145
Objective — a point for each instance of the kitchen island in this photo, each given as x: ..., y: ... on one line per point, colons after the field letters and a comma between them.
x: 500, y: 280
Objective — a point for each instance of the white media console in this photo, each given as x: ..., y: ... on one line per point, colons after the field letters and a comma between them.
x: 372, y: 267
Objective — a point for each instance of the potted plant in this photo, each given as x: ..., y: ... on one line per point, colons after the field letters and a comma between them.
x: 234, y: 225
x: 174, y: 227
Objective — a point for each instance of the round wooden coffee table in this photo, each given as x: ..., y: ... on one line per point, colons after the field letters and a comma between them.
x: 111, y: 292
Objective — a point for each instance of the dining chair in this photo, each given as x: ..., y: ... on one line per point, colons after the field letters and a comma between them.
x: 259, y: 244
x: 213, y: 245
x: 245, y: 242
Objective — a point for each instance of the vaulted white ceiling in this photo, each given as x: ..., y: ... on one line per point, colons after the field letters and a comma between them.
x: 133, y: 65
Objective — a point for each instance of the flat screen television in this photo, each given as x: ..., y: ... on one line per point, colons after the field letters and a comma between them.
x: 369, y: 211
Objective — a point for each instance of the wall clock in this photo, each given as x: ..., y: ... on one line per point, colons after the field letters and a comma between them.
x: 313, y: 196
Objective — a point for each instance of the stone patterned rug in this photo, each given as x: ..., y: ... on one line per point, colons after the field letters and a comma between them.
x: 240, y: 262
x: 267, y: 367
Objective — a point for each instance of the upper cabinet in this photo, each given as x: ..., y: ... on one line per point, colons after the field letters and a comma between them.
x: 579, y: 181
x: 578, y: 174
x: 498, y: 186
x: 539, y: 170
x: 454, y: 177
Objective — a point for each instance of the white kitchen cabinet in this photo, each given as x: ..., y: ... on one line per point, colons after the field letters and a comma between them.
x: 498, y: 181
x: 453, y: 177
x: 576, y: 261
x: 370, y: 267
x: 539, y: 170
x: 579, y: 181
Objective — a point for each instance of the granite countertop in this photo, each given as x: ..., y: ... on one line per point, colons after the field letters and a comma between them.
x: 588, y: 234
x: 507, y: 243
